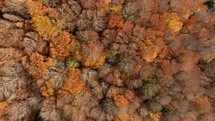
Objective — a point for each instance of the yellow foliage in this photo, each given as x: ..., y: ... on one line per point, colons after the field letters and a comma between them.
x: 155, y: 116
x: 73, y: 82
x: 175, y: 25
x: 48, y: 91
x: 2, y: 28
x: 44, y: 26
x: 173, y: 22
x: 210, y: 59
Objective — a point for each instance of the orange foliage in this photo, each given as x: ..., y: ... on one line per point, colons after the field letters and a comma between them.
x: 94, y: 61
x: 62, y: 45
x: 188, y: 119
x: 36, y: 8
x: 120, y: 101
x: 47, y: 90
x: 149, y: 53
x: 123, y: 117
x: 37, y: 64
x: 203, y: 105
x: 138, y: 67
x: 3, y: 106
x: 62, y: 91
x: 73, y: 82
x: 115, y: 21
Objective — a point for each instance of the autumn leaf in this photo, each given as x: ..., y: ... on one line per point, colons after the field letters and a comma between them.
x: 73, y: 82
x: 94, y: 62
x: 36, y: 8
x: 3, y: 106
x: 115, y: 21
x: 36, y: 64
x: 63, y: 45
x: 202, y: 104
x: 120, y: 101
x: 47, y: 90
x: 129, y: 94
x: 173, y: 22
x: 155, y: 116
x: 44, y: 26
x: 149, y: 53
x: 123, y: 117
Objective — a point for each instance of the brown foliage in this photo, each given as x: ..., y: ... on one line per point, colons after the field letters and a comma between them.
x: 129, y: 95
x: 11, y: 38
x: 33, y: 42
x: 92, y: 4
x: 88, y: 3
x: 186, y: 8
x: 7, y: 54
x: 92, y: 50
x: 189, y: 60
x: 106, y: 60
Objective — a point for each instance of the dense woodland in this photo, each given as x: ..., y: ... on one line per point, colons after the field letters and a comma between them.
x: 107, y: 60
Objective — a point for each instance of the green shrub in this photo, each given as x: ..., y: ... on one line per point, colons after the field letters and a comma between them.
x: 210, y: 4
